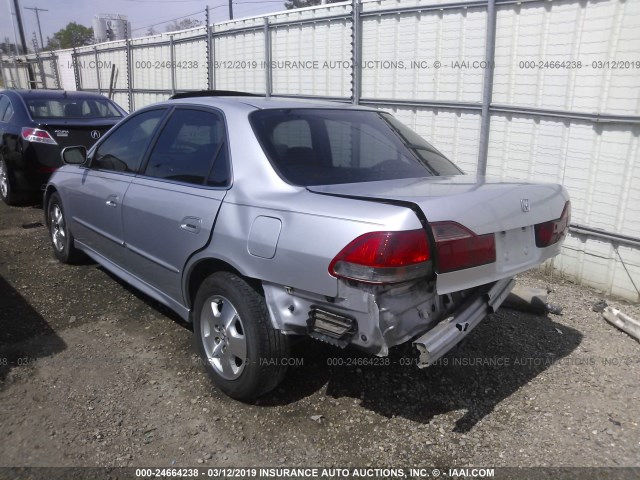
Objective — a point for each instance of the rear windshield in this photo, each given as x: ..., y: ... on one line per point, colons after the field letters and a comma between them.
x: 324, y: 147
x: 72, y: 108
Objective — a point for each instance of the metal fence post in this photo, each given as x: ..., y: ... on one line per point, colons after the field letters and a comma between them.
x: 267, y: 59
x: 76, y: 72
x: 172, y: 58
x: 16, y: 79
x: 40, y: 70
x: 213, y: 57
x: 43, y: 78
x: 2, y: 74
x: 129, y: 77
x: 95, y: 55
x: 210, y: 80
x: 356, y: 52
x: 54, y: 67
x: 487, y: 88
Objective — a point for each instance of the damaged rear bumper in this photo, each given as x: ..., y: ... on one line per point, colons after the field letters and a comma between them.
x: 449, y: 332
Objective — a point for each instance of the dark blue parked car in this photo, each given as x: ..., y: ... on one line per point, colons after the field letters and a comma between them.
x: 34, y: 127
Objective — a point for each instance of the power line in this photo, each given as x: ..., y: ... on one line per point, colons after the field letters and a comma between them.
x: 195, y: 13
x: 167, y: 21
x: 192, y: 1
x: 163, y: 1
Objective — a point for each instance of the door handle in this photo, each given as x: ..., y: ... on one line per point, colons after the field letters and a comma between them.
x: 191, y: 224
x: 111, y: 203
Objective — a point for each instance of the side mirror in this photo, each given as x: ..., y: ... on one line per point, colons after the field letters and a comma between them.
x: 74, y: 155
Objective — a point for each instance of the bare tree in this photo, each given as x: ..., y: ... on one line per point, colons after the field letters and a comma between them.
x: 183, y: 24
x: 291, y: 4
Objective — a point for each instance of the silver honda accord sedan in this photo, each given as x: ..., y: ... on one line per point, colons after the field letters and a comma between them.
x: 262, y: 219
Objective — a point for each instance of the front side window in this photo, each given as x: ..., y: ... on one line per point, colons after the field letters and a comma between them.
x: 191, y: 149
x: 122, y: 150
x: 323, y: 147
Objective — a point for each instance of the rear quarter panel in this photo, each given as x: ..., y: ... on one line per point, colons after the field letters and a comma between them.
x: 314, y: 228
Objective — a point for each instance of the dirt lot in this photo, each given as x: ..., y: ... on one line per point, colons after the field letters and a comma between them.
x: 94, y: 374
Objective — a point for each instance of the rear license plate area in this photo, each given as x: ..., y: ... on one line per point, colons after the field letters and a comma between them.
x: 514, y: 248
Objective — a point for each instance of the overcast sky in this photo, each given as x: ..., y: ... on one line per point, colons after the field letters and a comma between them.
x: 141, y: 13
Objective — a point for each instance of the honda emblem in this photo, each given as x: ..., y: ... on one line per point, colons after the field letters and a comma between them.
x: 524, y: 203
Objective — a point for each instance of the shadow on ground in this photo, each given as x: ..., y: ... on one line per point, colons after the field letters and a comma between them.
x: 504, y: 353
x: 24, y: 335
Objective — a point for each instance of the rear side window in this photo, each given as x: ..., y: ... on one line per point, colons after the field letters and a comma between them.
x: 324, y: 147
x: 71, y: 108
x: 191, y: 149
x: 122, y: 151
x: 4, y: 103
x: 8, y: 113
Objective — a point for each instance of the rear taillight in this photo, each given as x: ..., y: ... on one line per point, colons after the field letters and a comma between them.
x: 384, y: 257
x: 551, y: 232
x: 36, y: 135
x: 459, y: 248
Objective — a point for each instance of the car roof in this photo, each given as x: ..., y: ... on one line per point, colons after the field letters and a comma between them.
x: 261, y: 103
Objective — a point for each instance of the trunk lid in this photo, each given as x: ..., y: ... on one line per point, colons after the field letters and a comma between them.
x: 76, y: 132
x: 509, y: 209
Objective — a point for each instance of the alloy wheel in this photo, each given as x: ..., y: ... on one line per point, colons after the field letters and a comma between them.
x: 58, y: 230
x: 4, y: 179
x: 223, y: 337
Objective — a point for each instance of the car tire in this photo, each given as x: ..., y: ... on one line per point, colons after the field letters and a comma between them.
x: 231, y: 321
x: 59, y: 232
x: 7, y: 188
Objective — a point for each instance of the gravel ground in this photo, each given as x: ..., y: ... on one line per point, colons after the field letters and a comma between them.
x: 93, y: 373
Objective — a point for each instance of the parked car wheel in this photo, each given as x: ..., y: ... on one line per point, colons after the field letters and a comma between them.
x: 241, y: 350
x: 6, y: 185
x: 59, y: 232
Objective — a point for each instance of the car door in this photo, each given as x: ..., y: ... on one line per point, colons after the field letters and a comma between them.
x: 96, y: 202
x: 170, y: 208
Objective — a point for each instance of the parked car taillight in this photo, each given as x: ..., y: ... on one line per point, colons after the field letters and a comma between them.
x: 548, y: 233
x: 37, y: 136
x: 460, y: 248
x: 384, y: 257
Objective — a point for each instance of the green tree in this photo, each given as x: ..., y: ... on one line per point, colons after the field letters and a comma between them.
x: 73, y: 35
x: 291, y: 4
x: 183, y: 24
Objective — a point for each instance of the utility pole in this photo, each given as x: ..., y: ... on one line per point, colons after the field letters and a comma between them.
x: 15, y: 35
x: 38, y: 10
x: 23, y: 42
x: 30, y: 74
x: 230, y: 9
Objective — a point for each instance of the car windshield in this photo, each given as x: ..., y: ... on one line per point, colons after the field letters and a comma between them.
x: 324, y: 147
x: 85, y: 108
